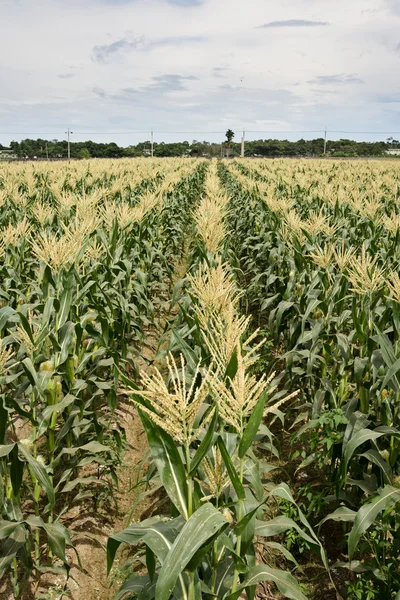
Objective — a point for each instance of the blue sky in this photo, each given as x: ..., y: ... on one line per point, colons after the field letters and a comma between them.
x: 115, y: 69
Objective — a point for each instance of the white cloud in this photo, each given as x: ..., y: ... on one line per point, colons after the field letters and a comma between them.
x: 198, y: 65
x: 292, y: 23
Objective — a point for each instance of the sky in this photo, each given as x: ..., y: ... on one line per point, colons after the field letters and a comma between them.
x: 112, y: 70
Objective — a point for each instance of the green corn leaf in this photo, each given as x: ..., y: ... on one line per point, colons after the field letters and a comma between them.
x: 202, y: 525
x: 224, y: 577
x: 191, y: 357
x: 5, y: 315
x: 282, y: 491
x: 47, y: 311
x: 251, y: 474
x: 95, y: 447
x: 359, y: 438
x: 392, y: 373
x: 169, y: 464
x: 66, y: 337
x: 14, y: 542
x: 282, y: 307
x: 49, y: 410
x: 26, y: 326
x: 16, y: 471
x: 31, y: 372
x: 65, y: 305
x: 277, y: 526
x: 150, y: 563
x: 206, y: 443
x: 239, y: 489
x: 57, y: 535
x: 388, y: 355
x: 5, y: 449
x: 7, y: 528
x: 340, y: 514
x: 139, y: 584
x: 252, y: 426
x: 3, y: 421
x: 284, y: 551
x: 374, y: 457
x: 40, y: 473
x: 231, y: 369
x: 159, y: 536
x: 367, y: 514
x: 284, y: 581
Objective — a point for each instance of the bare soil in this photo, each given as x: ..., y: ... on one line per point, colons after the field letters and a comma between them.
x: 92, y: 583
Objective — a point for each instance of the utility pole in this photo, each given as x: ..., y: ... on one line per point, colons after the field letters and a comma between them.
x: 325, y: 142
x: 242, y: 148
x: 69, y: 142
x: 47, y: 152
x: 152, y: 143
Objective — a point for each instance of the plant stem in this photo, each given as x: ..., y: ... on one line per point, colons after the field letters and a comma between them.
x: 189, y: 481
x: 14, y: 578
x: 191, y: 595
x: 239, y: 537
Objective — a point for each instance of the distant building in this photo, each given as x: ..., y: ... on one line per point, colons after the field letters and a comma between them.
x: 6, y: 153
x: 393, y: 152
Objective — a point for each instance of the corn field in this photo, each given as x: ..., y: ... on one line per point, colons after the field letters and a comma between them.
x: 249, y: 313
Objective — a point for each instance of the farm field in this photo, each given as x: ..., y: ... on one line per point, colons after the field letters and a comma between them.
x: 200, y: 379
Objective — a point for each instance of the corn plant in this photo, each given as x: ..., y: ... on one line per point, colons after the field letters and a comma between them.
x: 317, y: 256
x: 201, y: 423
x: 85, y: 260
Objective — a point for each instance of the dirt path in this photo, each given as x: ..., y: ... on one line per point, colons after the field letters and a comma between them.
x: 91, y: 582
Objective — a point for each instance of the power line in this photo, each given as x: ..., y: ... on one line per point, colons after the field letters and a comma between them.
x: 113, y: 132
x: 76, y: 133
x: 149, y: 131
x: 367, y: 132
x: 286, y: 131
x: 162, y: 131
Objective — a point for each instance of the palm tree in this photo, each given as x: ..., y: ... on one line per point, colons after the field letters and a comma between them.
x: 229, y: 137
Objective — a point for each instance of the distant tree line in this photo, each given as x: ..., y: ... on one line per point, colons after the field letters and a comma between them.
x: 56, y: 149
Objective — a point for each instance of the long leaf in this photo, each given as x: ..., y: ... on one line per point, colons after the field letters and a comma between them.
x: 206, y: 443
x: 40, y: 473
x: 277, y: 526
x: 368, y: 513
x: 159, y: 536
x: 340, y: 514
x: 13, y: 543
x: 284, y: 581
x: 57, y: 535
x: 65, y: 305
x: 239, y: 489
x: 252, y: 426
x: 202, y: 525
x: 169, y: 464
x: 359, y: 438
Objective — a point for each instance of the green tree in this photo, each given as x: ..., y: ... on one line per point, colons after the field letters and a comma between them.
x: 84, y: 154
x: 229, y: 137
